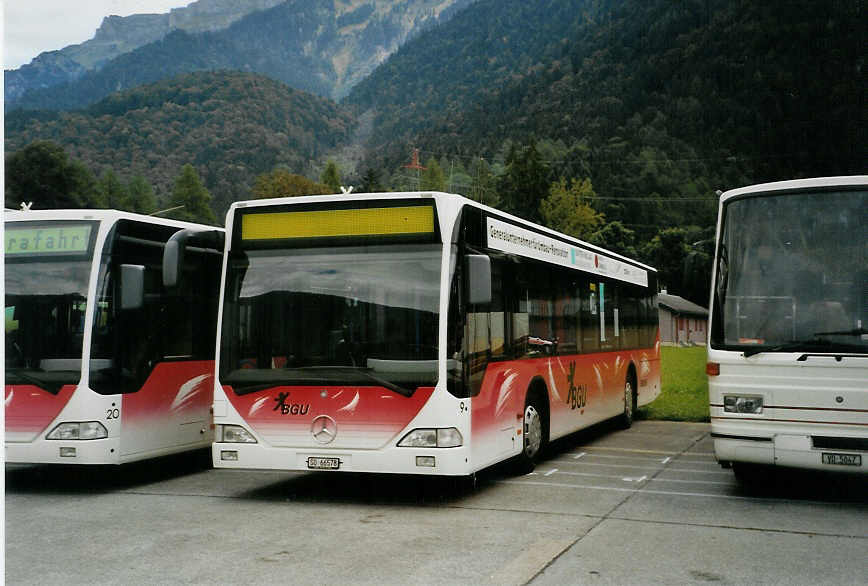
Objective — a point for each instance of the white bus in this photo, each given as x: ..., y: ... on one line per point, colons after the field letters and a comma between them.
x: 788, y: 348
x: 103, y: 364
x: 419, y: 333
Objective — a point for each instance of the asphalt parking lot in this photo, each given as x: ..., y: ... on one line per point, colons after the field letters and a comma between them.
x: 648, y: 505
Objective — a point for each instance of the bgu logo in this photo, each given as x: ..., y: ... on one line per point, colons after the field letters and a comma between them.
x: 290, y: 408
x: 577, y: 396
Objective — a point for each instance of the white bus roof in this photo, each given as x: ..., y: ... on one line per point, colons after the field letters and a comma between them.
x: 438, y: 195
x: 101, y: 215
x: 796, y: 184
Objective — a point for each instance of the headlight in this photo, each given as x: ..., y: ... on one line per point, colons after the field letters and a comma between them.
x: 235, y: 434
x: 448, y: 437
x: 83, y: 430
x: 740, y: 404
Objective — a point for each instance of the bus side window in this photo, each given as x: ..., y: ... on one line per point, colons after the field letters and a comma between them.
x: 497, y: 310
x: 629, y: 318
x: 590, y: 316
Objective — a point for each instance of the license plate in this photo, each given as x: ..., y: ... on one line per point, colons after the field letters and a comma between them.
x: 323, y: 463
x: 843, y: 459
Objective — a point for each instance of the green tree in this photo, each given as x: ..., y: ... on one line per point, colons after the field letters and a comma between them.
x: 569, y: 210
x: 370, y: 182
x: 141, y: 194
x: 191, y: 198
x: 524, y: 183
x: 617, y: 238
x: 483, y: 183
x: 696, y: 277
x: 433, y: 178
x: 331, y: 176
x: 112, y: 193
x: 667, y: 252
x: 42, y: 173
x: 282, y: 183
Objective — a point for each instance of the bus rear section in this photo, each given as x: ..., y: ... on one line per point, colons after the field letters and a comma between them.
x: 788, y: 353
x: 103, y: 366
x: 385, y: 333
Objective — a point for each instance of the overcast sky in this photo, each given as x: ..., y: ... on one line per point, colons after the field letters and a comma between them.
x: 33, y: 26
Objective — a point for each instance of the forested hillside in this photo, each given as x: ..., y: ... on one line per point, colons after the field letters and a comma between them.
x: 614, y: 120
x: 658, y: 102
x: 229, y: 126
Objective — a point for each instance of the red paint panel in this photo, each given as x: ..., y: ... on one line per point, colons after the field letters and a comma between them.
x: 582, y: 389
x: 366, y: 417
x: 29, y: 410
x: 173, y: 390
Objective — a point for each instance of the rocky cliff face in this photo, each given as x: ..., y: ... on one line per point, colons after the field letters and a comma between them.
x: 121, y: 34
x: 321, y: 46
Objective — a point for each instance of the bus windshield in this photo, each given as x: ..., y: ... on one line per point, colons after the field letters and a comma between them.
x: 792, y: 274
x: 363, y: 315
x: 46, y: 302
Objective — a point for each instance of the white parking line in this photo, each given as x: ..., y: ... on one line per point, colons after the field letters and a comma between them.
x: 615, y: 457
x: 640, y: 479
x: 701, y: 471
x: 587, y: 463
x: 642, y: 490
x: 550, y: 472
x: 717, y: 482
x: 577, y: 456
x: 652, y: 480
x: 592, y: 448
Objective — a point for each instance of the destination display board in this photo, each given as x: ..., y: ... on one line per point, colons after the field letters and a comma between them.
x: 27, y: 240
x: 513, y: 239
x: 384, y: 221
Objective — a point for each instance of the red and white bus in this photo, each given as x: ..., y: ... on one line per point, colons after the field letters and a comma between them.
x: 104, y: 365
x: 419, y: 333
x: 788, y: 351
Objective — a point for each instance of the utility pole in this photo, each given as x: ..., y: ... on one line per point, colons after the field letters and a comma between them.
x: 414, y: 164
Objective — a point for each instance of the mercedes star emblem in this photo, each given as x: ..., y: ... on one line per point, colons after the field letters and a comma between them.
x: 324, y: 429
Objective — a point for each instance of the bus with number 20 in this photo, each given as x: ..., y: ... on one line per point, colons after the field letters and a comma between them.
x: 788, y: 352
x: 419, y: 333
x: 104, y: 365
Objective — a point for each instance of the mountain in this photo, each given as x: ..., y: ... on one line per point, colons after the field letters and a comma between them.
x: 321, y: 46
x: 121, y: 34
x: 230, y: 126
x: 658, y: 102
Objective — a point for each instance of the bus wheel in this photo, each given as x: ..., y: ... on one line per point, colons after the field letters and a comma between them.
x: 629, y: 404
x: 532, y: 436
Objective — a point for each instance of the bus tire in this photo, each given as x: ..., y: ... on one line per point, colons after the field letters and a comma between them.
x: 629, y: 402
x: 534, y: 432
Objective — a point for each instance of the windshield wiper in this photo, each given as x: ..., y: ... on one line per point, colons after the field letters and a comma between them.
x: 792, y: 346
x: 52, y: 388
x: 853, y: 332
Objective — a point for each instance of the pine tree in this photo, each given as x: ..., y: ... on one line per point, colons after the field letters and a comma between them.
x: 141, y: 195
x: 191, y: 197
x: 525, y: 182
x: 331, y: 177
x: 370, y: 182
x: 112, y: 193
x: 433, y: 178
